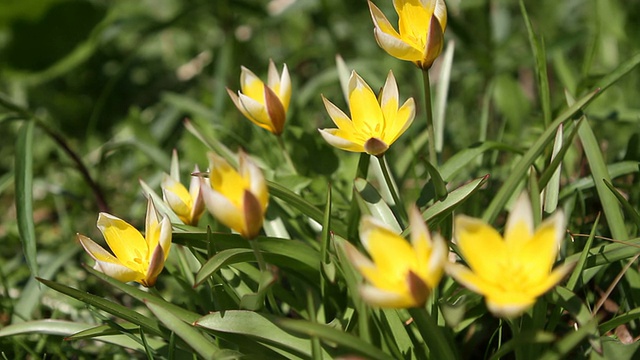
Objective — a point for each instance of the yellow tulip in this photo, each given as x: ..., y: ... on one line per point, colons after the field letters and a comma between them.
x: 511, y: 272
x: 238, y: 199
x: 187, y: 204
x: 137, y: 258
x: 374, y: 125
x: 265, y: 105
x: 421, y: 25
x: 400, y: 274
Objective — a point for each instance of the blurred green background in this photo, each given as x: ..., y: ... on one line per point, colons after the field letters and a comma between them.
x: 116, y: 79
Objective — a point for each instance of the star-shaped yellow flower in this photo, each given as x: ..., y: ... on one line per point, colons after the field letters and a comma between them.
x: 137, y: 258
x: 421, y: 25
x: 511, y: 272
x: 374, y: 125
x: 400, y: 274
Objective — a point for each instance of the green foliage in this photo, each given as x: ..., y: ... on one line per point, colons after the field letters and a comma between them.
x: 95, y: 95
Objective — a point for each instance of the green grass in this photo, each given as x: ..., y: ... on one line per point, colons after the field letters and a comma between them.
x: 89, y: 109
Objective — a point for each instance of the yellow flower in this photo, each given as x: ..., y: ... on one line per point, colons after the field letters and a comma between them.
x: 402, y: 274
x: 187, y: 204
x: 511, y: 272
x: 238, y: 199
x: 421, y: 25
x: 374, y: 125
x: 265, y: 105
x: 137, y: 258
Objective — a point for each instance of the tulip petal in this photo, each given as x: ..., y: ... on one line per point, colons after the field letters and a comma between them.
x: 402, y: 121
x: 509, y: 306
x: 156, y: 264
x: 118, y: 271
x: 342, y: 121
x: 164, y: 238
x: 387, y: 299
x: 330, y: 136
x: 257, y: 111
x: 365, y: 109
x: 385, y: 248
x: 257, y: 184
x: 251, y: 85
x: 538, y: 255
x: 479, y: 242
x: 519, y: 227
x: 253, y: 216
x: 223, y: 209
x: 125, y: 241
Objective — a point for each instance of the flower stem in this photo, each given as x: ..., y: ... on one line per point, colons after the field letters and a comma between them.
x: 439, y: 345
x: 433, y: 155
x: 392, y: 188
x: 262, y: 265
x: 287, y: 158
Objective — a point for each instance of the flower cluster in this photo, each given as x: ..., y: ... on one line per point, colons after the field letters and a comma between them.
x: 510, y: 271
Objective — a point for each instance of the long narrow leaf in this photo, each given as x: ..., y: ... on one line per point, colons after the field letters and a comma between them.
x: 507, y: 189
x: 202, y: 344
x: 24, y: 194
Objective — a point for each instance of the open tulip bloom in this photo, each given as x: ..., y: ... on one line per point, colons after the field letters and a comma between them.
x: 137, y: 258
x: 374, y: 125
x: 264, y: 104
x: 187, y: 204
x: 238, y: 199
x: 400, y: 274
x: 420, y: 35
x: 511, y: 272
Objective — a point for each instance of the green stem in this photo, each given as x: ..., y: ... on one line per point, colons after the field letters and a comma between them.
x: 439, y: 346
x: 392, y: 188
x: 433, y: 155
x: 287, y: 158
x: 262, y: 265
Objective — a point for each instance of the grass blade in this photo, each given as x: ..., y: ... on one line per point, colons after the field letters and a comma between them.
x: 24, y: 194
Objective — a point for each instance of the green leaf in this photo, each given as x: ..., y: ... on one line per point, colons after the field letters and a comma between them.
x: 150, y: 325
x: 24, y: 194
x: 552, y: 189
x: 633, y: 213
x: 612, y: 211
x: 142, y: 296
x: 202, y: 344
x: 286, y: 253
x: 32, y: 293
x: 585, y: 183
x: 539, y: 53
x: 302, y: 205
x: 454, y: 199
x: 463, y: 158
x: 223, y: 258
x: 68, y: 328
x: 344, y: 340
x: 372, y: 203
x: 520, y: 170
x: 261, y: 327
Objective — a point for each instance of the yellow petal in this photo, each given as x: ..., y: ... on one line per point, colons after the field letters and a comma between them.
x: 386, y: 248
x: 338, y: 117
x: 388, y: 299
x: 519, y: 227
x: 397, y: 47
x: 551, y: 280
x: 509, y: 305
x: 251, y: 85
x: 107, y: 263
x: 440, y: 12
x: 223, y: 209
x: 252, y: 175
x: 257, y: 112
x: 365, y: 109
x: 124, y: 240
x: 481, y: 246
x: 538, y: 255
x: 331, y: 136
x: 177, y: 197
x: 413, y: 20
x: 402, y: 121
x: 253, y: 216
